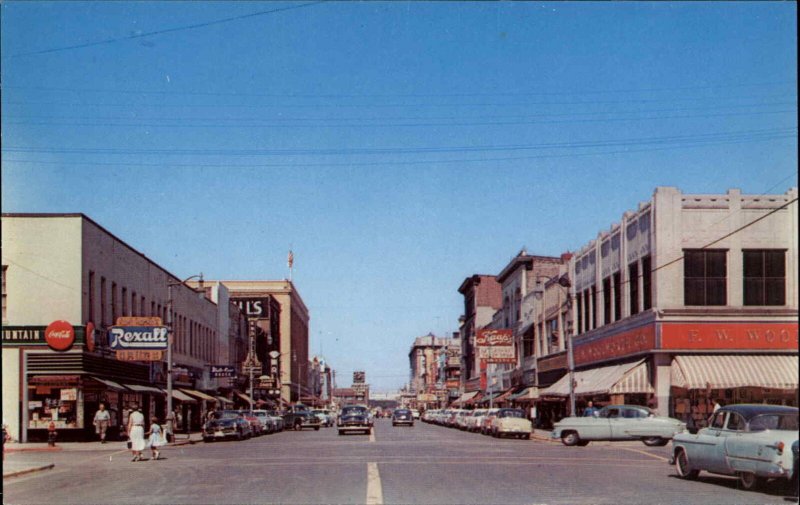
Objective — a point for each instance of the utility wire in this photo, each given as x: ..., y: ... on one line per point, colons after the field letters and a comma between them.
x: 161, y: 32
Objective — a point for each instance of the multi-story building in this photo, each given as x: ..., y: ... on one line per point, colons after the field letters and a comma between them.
x: 282, y: 340
x: 689, y: 298
x: 68, y: 270
x: 482, y: 298
x: 432, y: 373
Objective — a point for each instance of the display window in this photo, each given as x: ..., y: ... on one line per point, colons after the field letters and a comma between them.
x: 54, y: 399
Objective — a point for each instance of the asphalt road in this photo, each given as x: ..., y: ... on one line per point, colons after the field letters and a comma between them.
x: 420, y: 465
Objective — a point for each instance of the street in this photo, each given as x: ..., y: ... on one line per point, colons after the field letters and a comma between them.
x: 423, y: 464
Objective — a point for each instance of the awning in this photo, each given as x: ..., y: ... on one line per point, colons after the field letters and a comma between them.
x: 223, y: 400
x: 244, y: 397
x: 505, y: 396
x: 144, y: 389
x: 180, y: 396
x: 734, y: 371
x: 603, y: 380
x: 111, y: 384
x: 526, y: 394
x: 466, y: 396
x: 199, y: 395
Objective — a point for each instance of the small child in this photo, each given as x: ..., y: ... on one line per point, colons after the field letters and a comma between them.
x: 156, y: 437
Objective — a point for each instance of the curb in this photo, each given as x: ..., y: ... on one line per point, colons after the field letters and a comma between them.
x: 28, y: 470
x: 35, y: 449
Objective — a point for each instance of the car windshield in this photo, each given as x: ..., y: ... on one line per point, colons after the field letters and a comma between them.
x: 227, y: 414
x: 511, y: 413
x: 353, y: 410
x: 402, y: 412
x: 787, y: 422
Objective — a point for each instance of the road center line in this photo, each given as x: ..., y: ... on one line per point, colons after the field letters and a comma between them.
x: 645, y: 453
x: 374, y: 489
x: 372, y: 435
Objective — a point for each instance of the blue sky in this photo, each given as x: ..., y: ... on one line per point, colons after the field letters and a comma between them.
x: 397, y: 147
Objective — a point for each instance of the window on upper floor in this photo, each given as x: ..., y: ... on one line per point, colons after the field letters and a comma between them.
x: 705, y: 277
x: 633, y: 287
x: 607, y: 300
x: 5, y: 293
x: 647, y: 294
x: 617, y: 278
x: 764, y: 276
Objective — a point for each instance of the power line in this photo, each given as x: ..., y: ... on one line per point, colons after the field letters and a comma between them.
x: 161, y: 32
x: 680, y: 139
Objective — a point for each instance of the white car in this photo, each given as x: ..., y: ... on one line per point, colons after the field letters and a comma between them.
x: 415, y: 413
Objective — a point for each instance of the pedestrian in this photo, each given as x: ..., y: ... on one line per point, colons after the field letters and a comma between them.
x: 156, y: 439
x: 179, y: 420
x: 590, y: 411
x: 716, y: 406
x: 533, y: 416
x: 212, y: 414
x: 169, y: 427
x: 101, y: 420
x: 136, y: 432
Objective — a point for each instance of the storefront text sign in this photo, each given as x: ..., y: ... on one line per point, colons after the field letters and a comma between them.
x: 138, y: 337
x: 729, y: 336
x: 23, y: 335
x: 140, y: 355
x: 494, y: 338
x: 496, y: 346
x: 223, y: 371
x: 59, y: 335
x: 617, y: 346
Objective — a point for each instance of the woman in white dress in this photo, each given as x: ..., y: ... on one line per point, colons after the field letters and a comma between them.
x: 136, y: 433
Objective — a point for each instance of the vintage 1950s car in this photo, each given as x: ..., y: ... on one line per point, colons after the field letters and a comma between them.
x: 753, y: 442
x: 511, y: 422
x: 618, y: 422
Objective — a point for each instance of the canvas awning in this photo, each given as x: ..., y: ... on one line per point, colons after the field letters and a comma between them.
x: 244, y: 397
x: 466, y: 396
x: 527, y: 394
x: 734, y: 371
x: 111, y: 384
x: 224, y: 400
x: 199, y: 395
x: 180, y: 396
x: 505, y: 396
x: 625, y: 378
x: 144, y: 389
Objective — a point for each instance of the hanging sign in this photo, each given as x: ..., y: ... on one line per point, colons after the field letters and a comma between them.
x: 138, y: 337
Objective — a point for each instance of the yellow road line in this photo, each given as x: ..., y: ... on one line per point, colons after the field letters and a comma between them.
x: 645, y: 453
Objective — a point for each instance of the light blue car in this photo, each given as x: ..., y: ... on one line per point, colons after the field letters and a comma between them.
x: 752, y: 442
x: 618, y: 422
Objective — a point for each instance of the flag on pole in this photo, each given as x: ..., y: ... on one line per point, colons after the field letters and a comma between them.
x: 290, y: 259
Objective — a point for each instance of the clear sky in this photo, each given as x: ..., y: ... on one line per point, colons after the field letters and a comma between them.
x: 398, y: 148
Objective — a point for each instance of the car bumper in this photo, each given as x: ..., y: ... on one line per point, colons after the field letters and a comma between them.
x: 403, y: 421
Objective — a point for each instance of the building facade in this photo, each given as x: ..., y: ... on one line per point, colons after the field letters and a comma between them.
x: 66, y: 268
x: 482, y: 299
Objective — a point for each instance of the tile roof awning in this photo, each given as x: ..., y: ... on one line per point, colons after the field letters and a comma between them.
x: 625, y: 378
x: 144, y: 389
x: 199, y: 395
x: 111, y: 384
x: 734, y: 371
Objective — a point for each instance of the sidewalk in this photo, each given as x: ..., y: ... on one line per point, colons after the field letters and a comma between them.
x: 14, y: 468
x: 542, y: 435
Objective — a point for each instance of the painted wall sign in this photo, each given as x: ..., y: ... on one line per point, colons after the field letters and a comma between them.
x: 138, y: 337
x: 617, y: 346
x: 729, y: 336
x: 59, y: 335
x: 552, y: 363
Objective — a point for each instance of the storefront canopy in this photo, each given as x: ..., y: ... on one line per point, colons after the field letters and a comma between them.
x: 625, y: 378
x: 111, y: 384
x: 244, y: 397
x: 199, y: 395
x: 734, y: 371
x: 180, y: 396
x: 526, y: 394
x: 144, y: 389
x: 466, y: 396
x: 506, y: 395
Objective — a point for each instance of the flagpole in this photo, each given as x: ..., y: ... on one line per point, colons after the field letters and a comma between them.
x: 290, y: 262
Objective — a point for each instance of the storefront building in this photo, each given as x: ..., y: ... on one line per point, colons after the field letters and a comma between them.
x: 482, y: 298
x: 66, y: 280
x: 688, y: 300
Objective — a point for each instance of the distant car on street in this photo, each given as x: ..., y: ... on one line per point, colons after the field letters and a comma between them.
x: 299, y: 417
x: 415, y: 413
x: 753, y: 442
x: 402, y: 416
x: 325, y: 417
x: 226, y: 424
x: 511, y: 423
x: 618, y: 422
x: 354, y: 418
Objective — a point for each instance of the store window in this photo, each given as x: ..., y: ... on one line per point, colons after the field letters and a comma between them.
x: 53, y: 399
x: 764, y: 277
x: 705, y: 277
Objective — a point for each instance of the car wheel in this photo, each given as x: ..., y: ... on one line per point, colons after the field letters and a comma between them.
x: 527, y: 436
x: 750, y: 481
x: 298, y: 426
x: 653, y: 441
x: 341, y: 432
x: 570, y: 438
x: 316, y: 428
x: 685, y: 471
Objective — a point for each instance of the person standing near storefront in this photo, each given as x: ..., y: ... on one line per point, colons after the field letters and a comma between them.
x: 101, y: 420
x: 716, y: 406
x: 590, y: 411
x: 136, y: 432
x: 169, y: 427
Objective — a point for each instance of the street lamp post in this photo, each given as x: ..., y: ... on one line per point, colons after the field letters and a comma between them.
x: 171, y: 334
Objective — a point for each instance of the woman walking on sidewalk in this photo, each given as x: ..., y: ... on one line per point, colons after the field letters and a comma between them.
x: 156, y: 437
x: 136, y: 432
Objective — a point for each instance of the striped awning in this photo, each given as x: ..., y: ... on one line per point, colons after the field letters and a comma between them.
x: 199, y: 395
x: 603, y: 380
x: 734, y: 371
x: 506, y: 395
x: 466, y: 396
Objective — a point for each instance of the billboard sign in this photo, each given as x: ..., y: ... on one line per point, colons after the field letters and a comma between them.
x: 492, y: 338
x: 359, y: 377
x: 138, y: 338
x: 496, y: 346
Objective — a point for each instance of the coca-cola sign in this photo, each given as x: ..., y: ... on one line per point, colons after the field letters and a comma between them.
x: 495, y: 338
x: 138, y: 337
x: 59, y: 335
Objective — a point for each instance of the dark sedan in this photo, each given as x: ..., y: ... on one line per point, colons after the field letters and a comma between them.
x: 354, y: 418
x: 402, y: 416
x: 226, y: 424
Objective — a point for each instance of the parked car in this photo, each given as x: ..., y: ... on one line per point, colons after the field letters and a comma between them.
x: 415, y: 413
x: 475, y: 421
x: 226, y: 424
x: 618, y: 422
x: 325, y: 417
x: 354, y: 418
x: 277, y: 418
x: 752, y: 442
x: 299, y: 419
x: 267, y: 422
x: 402, y: 416
x: 511, y: 422
x: 256, y: 427
x: 488, y: 420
